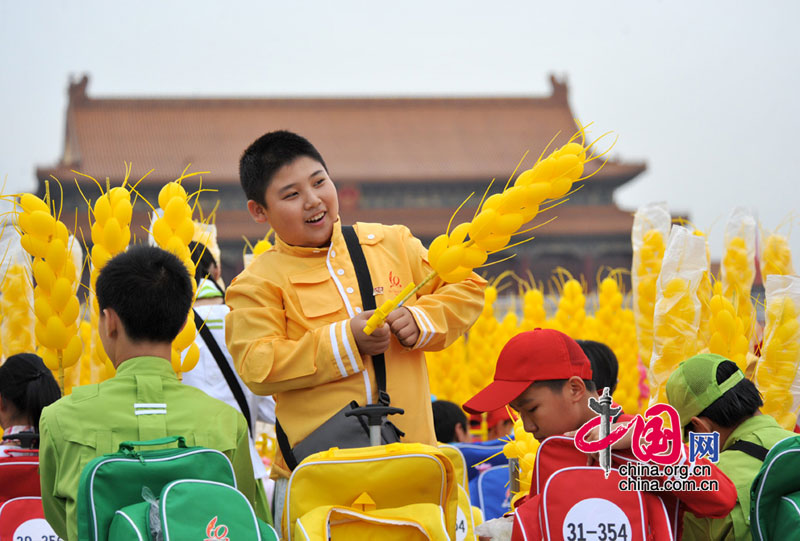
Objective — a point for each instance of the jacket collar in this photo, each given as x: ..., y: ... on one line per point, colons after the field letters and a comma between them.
x: 756, y: 422
x: 138, y: 366
x: 309, y: 251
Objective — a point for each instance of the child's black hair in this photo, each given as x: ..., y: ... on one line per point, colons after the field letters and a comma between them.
x: 266, y: 155
x: 27, y: 383
x: 737, y: 404
x: 605, y: 367
x: 149, y: 289
x: 446, y: 415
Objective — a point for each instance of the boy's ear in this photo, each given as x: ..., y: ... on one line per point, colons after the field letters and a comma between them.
x: 112, y: 323
x: 257, y: 211
x: 575, y: 388
x: 701, y: 424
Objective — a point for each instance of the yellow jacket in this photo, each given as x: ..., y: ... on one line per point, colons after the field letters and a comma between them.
x: 289, y: 334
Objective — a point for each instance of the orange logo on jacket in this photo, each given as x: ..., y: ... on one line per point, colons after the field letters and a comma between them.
x: 216, y: 533
x: 394, y: 281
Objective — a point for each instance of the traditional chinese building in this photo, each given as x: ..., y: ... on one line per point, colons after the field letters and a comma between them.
x: 394, y: 160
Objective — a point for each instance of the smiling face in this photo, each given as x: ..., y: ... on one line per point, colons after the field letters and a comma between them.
x: 546, y: 412
x: 301, y: 204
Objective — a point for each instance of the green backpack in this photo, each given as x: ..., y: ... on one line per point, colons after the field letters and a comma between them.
x: 191, y: 509
x: 775, y: 493
x: 112, y: 485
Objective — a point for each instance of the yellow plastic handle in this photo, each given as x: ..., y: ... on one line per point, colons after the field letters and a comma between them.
x: 377, y: 319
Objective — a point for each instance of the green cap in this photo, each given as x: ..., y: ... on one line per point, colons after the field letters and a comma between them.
x: 693, y: 386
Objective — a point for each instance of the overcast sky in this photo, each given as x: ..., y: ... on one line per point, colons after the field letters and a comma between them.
x: 705, y: 92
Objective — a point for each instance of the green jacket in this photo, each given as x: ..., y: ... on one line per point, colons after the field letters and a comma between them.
x: 742, y: 469
x: 94, y: 419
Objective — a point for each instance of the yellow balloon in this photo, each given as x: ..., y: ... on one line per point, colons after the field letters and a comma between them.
x: 162, y: 232
x: 438, y: 246
x: 112, y: 235
x: 458, y: 234
x: 100, y: 256
x: 42, y: 309
x: 119, y: 195
x: 72, y: 352
x: 60, y: 294
x: 191, y: 358
x: 492, y: 243
x: 71, y: 311
x: 482, y: 224
x: 31, y: 203
x: 102, y: 209
x: 559, y: 187
x: 43, y: 274
x: 56, y: 255
x: 450, y: 259
x: 57, y: 333
x: 474, y: 256
x: 169, y: 191
x: 34, y: 246
x: 176, y: 212
x: 507, y: 224
x: 456, y: 275
x: 42, y: 224
x: 185, y: 231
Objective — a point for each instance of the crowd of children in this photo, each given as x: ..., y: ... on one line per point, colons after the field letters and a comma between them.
x: 286, y: 344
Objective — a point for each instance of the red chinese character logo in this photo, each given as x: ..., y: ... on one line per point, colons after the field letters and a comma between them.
x: 394, y: 280
x: 651, y: 440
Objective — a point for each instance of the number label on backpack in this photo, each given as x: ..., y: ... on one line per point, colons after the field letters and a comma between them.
x: 596, y: 519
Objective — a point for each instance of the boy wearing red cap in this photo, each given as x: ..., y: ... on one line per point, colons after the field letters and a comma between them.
x: 546, y: 377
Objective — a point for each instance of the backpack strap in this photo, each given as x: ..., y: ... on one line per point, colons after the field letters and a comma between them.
x: 753, y: 449
x: 367, y: 301
x: 225, y: 368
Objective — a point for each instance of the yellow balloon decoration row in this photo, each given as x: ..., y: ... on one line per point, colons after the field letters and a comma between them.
x: 16, y: 299
x: 776, y: 257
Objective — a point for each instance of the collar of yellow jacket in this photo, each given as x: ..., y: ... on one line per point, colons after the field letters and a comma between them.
x: 139, y: 366
x: 308, y: 251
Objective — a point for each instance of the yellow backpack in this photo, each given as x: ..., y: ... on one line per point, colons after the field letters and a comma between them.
x: 397, y: 491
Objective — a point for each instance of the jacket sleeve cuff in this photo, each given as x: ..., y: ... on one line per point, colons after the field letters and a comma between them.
x: 346, y: 358
x: 424, y: 324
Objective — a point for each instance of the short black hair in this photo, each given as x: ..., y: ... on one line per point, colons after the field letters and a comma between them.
x: 605, y: 367
x: 266, y: 155
x: 737, y: 404
x: 555, y: 385
x: 150, y: 290
x: 203, y: 260
x: 26, y: 382
x: 446, y: 415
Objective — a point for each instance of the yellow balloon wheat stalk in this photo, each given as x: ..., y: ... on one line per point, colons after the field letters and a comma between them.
x: 777, y: 371
x: 729, y: 337
x: 614, y: 326
x: 651, y: 226
x: 776, y: 256
x: 523, y: 448
x: 534, y: 314
x: 570, y: 316
x: 455, y: 254
x: 448, y: 379
x: 15, y: 303
x: 481, y: 345
x: 54, y: 298
x: 173, y: 232
x: 677, y: 312
x: 738, y: 265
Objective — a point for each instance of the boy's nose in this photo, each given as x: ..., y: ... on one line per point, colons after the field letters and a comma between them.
x: 312, y: 201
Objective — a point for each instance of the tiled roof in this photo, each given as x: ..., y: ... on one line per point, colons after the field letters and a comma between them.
x: 362, y: 139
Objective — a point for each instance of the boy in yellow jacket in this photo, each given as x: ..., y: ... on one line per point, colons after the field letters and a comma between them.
x: 295, y: 329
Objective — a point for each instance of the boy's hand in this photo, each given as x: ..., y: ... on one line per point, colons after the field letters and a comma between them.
x: 403, y: 325
x: 372, y: 344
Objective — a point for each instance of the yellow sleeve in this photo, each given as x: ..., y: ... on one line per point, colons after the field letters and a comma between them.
x: 55, y: 508
x: 267, y: 360
x: 442, y: 311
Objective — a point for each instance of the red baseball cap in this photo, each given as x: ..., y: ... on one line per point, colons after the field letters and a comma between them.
x: 530, y: 356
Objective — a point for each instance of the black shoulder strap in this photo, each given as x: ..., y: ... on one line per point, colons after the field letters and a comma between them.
x: 225, y: 368
x: 753, y: 449
x: 367, y: 297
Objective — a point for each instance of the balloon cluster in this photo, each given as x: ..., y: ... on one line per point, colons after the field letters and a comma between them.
x: 523, y: 448
x: 646, y: 269
x: 533, y: 311
x: 776, y: 257
x: 614, y: 326
x: 570, y: 314
x: 173, y: 232
x: 111, y: 233
x: 55, y: 303
x: 15, y: 304
x: 456, y: 253
x: 780, y: 356
x: 728, y: 336
x: 482, y: 343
